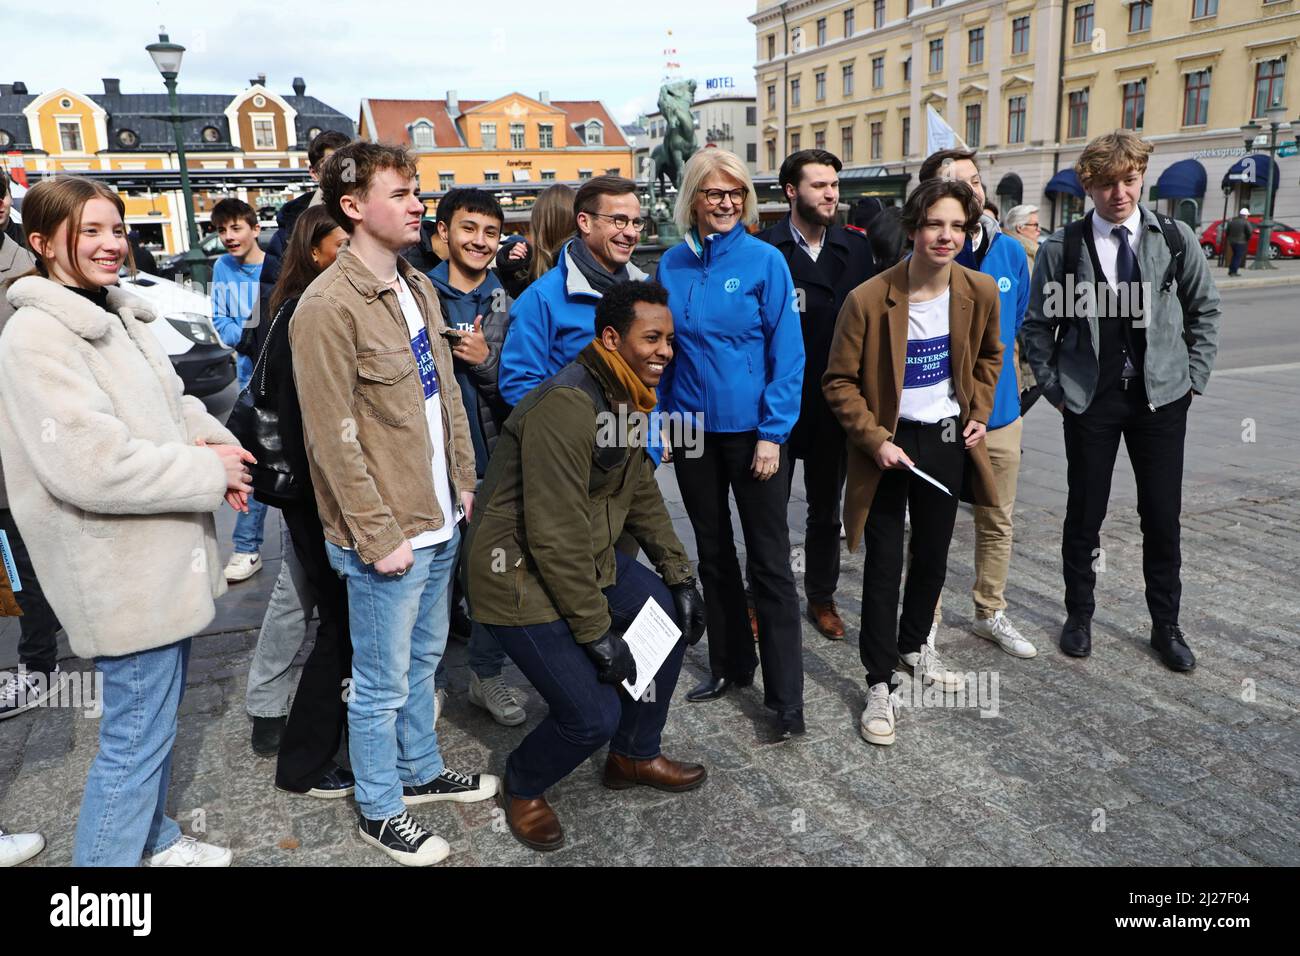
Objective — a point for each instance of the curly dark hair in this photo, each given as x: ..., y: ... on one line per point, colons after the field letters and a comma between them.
x: 617, y: 307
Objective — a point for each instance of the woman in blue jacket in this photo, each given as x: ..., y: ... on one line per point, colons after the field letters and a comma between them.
x: 738, y: 375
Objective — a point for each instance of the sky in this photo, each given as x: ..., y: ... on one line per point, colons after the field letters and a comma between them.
x: 575, y: 49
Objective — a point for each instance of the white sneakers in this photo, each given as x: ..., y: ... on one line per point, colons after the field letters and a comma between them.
x: 927, y: 665
x: 494, y: 696
x: 188, y: 851
x: 18, y: 848
x: 1003, y: 633
x: 878, y: 720
x: 242, y: 566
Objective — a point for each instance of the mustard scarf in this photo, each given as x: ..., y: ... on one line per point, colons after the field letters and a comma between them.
x: 643, y: 398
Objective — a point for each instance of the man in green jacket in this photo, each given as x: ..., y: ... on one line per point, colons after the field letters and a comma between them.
x: 569, y: 475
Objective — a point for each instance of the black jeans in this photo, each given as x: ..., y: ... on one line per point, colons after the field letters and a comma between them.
x: 319, y: 716
x: 585, y: 714
x: 824, y: 471
x: 38, y: 649
x: 940, y: 452
x: 724, y: 465
x: 1155, y: 447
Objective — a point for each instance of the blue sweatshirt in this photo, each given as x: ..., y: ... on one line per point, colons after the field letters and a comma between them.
x: 234, y: 302
x: 1007, y: 263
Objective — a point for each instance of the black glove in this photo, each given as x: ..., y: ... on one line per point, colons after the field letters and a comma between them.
x: 690, y: 610
x: 613, y: 659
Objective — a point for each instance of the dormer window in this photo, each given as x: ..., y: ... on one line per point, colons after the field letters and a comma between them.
x: 594, y: 133
x: 422, y: 134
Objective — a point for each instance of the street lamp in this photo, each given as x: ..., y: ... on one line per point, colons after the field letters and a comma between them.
x: 1249, y: 132
x: 167, y: 57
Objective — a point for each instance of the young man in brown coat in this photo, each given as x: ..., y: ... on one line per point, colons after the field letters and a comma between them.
x: 911, y: 376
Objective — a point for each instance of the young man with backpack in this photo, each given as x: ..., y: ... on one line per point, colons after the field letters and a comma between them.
x: 1122, y: 330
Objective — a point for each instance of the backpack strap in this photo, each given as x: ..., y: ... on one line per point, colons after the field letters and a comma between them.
x: 1177, y: 253
x: 1070, y: 262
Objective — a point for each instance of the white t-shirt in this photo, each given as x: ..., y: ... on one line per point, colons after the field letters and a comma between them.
x: 928, y: 394
x: 433, y: 415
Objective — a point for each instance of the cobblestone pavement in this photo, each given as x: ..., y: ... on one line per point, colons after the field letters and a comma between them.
x: 1109, y: 760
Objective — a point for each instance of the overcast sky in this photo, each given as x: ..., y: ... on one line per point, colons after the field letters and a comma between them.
x: 575, y: 49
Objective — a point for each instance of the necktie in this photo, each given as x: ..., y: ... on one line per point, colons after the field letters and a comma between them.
x: 1129, y: 277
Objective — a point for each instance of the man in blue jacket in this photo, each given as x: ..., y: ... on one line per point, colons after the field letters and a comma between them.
x: 1003, y: 258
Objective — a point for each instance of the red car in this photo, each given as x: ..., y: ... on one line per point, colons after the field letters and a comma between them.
x: 1283, y: 242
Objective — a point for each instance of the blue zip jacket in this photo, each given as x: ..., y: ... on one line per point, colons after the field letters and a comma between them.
x: 235, y: 290
x: 739, y: 348
x: 1007, y: 263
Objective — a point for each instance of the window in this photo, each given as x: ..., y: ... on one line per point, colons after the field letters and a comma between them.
x: 545, y: 136
x: 516, y: 135
x: 846, y: 144
x: 848, y: 80
x: 907, y: 135
x: 771, y: 154
x: 907, y: 70
x: 70, y: 136
x: 695, y: 118
x: 1135, y: 104
x: 210, y: 134
x: 422, y: 135
x: 794, y: 92
x: 877, y: 72
x: 795, y: 142
x: 1269, y: 78
x: 819, y: 86
x: 1083, y: 22
x: 1139, y: 16
x: 751, y: 115
x: 878, y: 14
x: 584, y: 174
x: 263, y: 133
x: 974, y: 116
x: 936, y: 55
x: 1078, y: 114
x: 771, y: 98
x: 488, y: 135
x: 1204, y: 8
x: 751, y: 153
x: 771, y: 46
x: 975, y: 49
x: 1020, y: 35
x: 446, y: 181
x: 849, y: 17
x: 1016, y: 119
x: 594, y: 133
x: 1196, y: 99
x: 877, y: 139
x: 548, y: 175
x: 819, y: 139
x: 127, y: 138
x: 911, y: 5
x: 491, y: 176
x: 821, y: 32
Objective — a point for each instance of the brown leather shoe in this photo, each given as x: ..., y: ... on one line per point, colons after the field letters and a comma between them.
x: 826, y: 618
x: 533, y: 822
x: 661, y: 773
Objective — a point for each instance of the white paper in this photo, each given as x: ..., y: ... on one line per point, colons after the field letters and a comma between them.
x: 920, y: 474
x: 651, y: 638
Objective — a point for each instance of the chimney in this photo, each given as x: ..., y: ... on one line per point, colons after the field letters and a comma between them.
x: 545, y: 97
x: 112, y: 87
x: 6, y: 89
x: 453, y: 104
x: 259, y: 80
x: 299, y: 86
x: 20, y: 88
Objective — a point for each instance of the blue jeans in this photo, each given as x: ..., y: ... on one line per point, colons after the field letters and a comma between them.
x: 123, y: 810
x: 584, y: 713
x: 399, y: 633
x: 486, y: 655
x: 248, y: 527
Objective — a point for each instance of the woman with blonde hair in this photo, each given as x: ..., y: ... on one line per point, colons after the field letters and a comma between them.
x: 113, y: 476
x: 550, y: 225
x: 738, y: 371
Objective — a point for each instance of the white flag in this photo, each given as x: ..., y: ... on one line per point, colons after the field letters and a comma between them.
x: 939, y: 134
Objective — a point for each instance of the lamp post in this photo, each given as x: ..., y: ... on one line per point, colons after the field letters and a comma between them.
x: 1250, y: 131
x: 167, y: 57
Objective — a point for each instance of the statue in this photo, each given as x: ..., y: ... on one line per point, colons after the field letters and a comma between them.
x: 668, y: 159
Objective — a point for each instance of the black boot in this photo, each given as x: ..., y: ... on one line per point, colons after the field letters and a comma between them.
x: 1169, y: 643
x: 267, y: 732
x: 1076, y: 635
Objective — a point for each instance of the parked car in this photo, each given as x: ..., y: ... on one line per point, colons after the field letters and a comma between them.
x: 212, y: 249
x: 1283, y: 242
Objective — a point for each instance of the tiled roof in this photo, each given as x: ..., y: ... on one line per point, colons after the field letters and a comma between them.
x: 393, y: 117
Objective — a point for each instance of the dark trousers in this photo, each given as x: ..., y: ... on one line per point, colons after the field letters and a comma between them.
x: 38, y: 649
x: 939, y: 451
x: 319, y: 716
x: 585, y: 714
x: 824, y: 471
x: 1238, y: 257
x: 724, y: 465
x: 1155, y: 447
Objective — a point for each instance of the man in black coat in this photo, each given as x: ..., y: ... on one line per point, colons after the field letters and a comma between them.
x: 826, y: 262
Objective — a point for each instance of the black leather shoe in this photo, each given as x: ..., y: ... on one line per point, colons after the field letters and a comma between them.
x: 789, y: 724
x: 1076, y: 635
x: 710, y: 689
x: 267, y: 732
x: 1169, y: 643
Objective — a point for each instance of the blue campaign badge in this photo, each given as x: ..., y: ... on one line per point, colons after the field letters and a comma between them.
x: 1004, y: 284
x: 732, y: 284
x: 424, y: 360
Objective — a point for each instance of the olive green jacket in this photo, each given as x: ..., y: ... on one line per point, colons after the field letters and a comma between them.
x: 567, y: 477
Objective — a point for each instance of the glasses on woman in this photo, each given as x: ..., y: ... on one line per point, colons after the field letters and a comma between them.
x: 714, y: 196
x: 1030, y: 225
x: 621, y: 222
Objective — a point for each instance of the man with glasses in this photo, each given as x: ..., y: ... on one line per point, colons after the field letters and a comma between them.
x: 555, y: 318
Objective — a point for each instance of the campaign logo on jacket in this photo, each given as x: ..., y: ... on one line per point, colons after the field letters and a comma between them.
x: 732, y: 284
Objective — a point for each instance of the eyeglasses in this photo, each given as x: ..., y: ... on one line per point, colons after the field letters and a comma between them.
x: 1030, y: 225
x: 621, y: 222
x: 714, y: 196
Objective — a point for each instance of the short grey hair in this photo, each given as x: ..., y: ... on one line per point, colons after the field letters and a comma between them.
x: 1017, y: 216
x: 698, y: 168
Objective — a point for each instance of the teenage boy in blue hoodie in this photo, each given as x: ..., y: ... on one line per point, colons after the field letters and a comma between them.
x: 476, y: 306
x: 1002, y: 257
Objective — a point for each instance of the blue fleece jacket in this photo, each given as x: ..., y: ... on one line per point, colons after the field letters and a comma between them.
x: 739, y: 348
x: 1007, y: 263
x: 234, y: 300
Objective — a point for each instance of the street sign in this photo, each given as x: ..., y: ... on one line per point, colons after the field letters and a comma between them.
x: 1288, y: 149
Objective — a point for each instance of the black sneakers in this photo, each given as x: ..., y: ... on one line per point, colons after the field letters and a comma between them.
x: 404, y: 840
x: 267, y: 734
x: 453, y: 786
x: 23, y: 690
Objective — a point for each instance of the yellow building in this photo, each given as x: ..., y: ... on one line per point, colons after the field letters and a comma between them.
x: 512, y: 139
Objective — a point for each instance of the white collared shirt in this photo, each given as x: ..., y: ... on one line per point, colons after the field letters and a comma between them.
x: 805, y: 245
x: 1108, y: 245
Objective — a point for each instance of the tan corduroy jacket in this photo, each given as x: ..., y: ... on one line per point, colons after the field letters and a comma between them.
x: 863, y: 383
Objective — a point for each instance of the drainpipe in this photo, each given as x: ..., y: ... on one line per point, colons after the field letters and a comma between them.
x: 1060, y: 102
x: 785, y: 82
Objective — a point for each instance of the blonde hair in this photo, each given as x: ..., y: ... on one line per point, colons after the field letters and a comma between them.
x: 1112, y: 156
x: 551, y: 223
x: 698, y: 168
